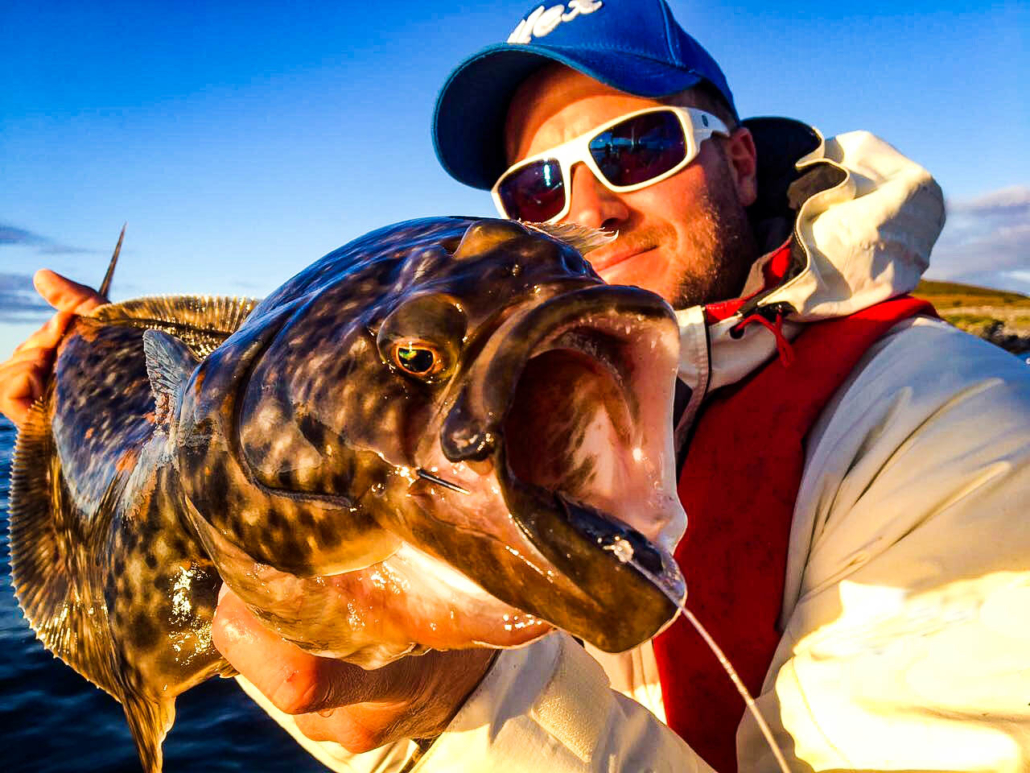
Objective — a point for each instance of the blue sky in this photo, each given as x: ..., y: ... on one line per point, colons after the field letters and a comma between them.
x: 241, y: 141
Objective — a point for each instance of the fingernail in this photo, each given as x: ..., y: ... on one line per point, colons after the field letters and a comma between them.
x: 222, y: 591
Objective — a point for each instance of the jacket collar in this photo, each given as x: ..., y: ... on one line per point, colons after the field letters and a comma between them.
x: 859, y: 220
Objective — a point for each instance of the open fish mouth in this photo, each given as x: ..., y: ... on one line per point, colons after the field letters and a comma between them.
x: 583, y: 451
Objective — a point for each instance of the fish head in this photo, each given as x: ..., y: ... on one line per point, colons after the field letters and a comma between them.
x: 470, y: 390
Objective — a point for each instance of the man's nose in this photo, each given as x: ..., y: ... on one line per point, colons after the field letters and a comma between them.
x: 592, y: 203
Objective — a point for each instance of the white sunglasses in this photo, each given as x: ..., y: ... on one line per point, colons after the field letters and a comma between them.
x: 629, y: 153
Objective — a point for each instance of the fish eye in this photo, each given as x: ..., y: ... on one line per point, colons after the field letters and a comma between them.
x: 422, y: 337
x: 417, y: 359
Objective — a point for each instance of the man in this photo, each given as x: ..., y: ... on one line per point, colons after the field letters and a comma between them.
x: 855, y: 471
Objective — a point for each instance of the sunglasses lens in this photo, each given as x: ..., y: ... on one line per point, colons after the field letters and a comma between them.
x: 535, y: 192
x: 639, y: 149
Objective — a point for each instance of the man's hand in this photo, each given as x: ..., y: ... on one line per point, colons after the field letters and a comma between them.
x: 23, y: 377
x: 414, y: 697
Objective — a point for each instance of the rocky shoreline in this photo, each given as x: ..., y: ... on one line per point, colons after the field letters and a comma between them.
x: 999, y: 316
x: 1008, y: 328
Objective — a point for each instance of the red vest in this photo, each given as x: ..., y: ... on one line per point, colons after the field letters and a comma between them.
x: 738, y: 485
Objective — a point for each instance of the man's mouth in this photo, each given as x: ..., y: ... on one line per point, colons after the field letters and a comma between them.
x: 622, y: 250
x: 604, y: 262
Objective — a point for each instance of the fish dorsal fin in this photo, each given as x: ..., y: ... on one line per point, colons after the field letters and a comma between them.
x: 202, y: 322
x: 580, y: 237
x: 105, y: 286
x: 169, y: 364
x: 52, y: 567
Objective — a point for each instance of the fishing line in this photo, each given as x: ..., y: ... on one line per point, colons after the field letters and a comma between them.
x: 624, y: 552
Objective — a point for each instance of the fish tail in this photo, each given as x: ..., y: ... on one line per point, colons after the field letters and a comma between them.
x: 149, y: 721
x: 53, y: 574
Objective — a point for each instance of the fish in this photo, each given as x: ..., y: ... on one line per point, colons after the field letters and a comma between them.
x: 449, y: 432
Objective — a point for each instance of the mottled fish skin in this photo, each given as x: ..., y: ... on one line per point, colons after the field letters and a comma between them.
x: 280, y: 447
x: 108, y: 572
x: 158, y: 584
x: 299, y: 441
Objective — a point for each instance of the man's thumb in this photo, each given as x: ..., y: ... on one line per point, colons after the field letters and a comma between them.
x: 64, y: 294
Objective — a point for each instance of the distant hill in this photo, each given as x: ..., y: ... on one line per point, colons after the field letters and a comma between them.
x: 944, y: 294
x: 1003, y: 318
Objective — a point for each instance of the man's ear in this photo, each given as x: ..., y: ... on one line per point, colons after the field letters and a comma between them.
x: 743, y: 162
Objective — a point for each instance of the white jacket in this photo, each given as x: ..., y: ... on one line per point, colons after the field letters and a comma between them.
x: 906, y: 611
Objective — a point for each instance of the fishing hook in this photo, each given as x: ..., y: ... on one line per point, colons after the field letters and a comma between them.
x: 445, y: 483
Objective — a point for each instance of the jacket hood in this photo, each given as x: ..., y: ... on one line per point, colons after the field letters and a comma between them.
x: 865, y: 239
x: 859, y: 220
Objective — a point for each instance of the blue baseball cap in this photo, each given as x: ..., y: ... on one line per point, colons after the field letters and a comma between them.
x: 635, y: 46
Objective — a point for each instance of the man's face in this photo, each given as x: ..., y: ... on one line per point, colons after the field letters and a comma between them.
x: 686, y: 238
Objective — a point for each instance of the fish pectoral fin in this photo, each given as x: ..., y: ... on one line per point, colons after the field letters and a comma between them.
x: 150, y: 720
x: 170, y: 363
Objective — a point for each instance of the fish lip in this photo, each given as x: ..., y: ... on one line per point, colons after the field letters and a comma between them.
x: 633, y: 346
x: 575, y: 536
x: 473, y: 424
x: 610, y: 602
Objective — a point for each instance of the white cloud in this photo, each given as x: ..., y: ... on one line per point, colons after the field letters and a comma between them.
x: 1014, y: 197
x: 987, y: 241
x: 13, y: 236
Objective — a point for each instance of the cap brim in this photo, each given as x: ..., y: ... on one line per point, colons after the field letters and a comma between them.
x: 468, y: 123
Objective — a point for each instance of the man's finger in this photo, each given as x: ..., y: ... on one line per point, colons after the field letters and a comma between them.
x: 48, y: 336
x: 24, y: 376
x: 359, y: 728
x: 40, y: 355
x: 64, y: 294
x: 22, y: 384
x: 437, y: 685
x: 295, y: 681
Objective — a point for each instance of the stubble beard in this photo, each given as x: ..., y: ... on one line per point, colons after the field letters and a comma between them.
x: 721, y: 247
